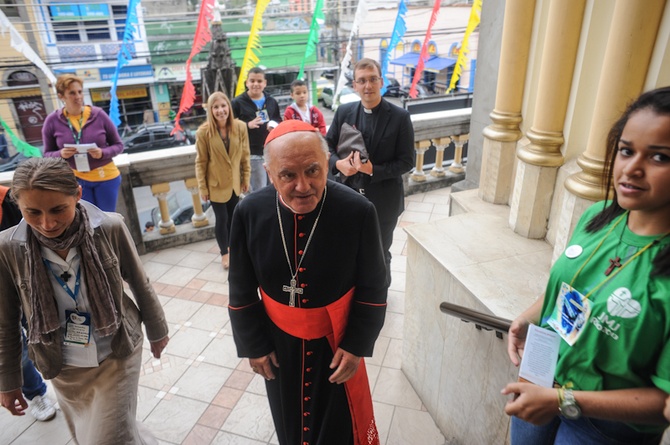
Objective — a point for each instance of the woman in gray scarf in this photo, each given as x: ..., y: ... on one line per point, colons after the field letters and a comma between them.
x: 63, y: 267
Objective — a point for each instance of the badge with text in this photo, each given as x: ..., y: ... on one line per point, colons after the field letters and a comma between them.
x: 77, y: 328
x: 570, y: 315
x: 81, y: 162
x: 263, y: 114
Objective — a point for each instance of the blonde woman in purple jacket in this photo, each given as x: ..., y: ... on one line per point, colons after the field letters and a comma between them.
x: 77, y: 124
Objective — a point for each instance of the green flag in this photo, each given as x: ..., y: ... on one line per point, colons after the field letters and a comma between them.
x: 318, y: 19
x: 21, y: 146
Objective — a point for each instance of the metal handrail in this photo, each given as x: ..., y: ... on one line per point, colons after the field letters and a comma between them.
x: 480, y: 319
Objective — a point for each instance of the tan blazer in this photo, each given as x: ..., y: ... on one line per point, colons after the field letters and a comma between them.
x: 217, y: 171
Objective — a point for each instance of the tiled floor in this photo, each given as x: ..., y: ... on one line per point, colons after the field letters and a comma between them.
x: 201, y: 393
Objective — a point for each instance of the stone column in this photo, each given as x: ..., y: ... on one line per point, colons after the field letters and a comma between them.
x: 459, y: 141
x: 160, y: 191
x: 199, y: 219
x: 420, y: 147
x: 500, y: 137
x: 541, y: 156
x: 440, y: 145
x: 630, y: 44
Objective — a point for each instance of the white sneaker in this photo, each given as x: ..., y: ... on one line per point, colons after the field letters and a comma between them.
x: 42, y: 409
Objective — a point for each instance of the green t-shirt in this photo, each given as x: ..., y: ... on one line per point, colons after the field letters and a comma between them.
x: 626, y: 340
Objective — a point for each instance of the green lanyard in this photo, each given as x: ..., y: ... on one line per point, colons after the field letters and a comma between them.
x: 77, y: 136
x: 639, y: 252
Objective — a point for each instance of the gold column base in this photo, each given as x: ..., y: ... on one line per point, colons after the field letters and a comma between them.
x: 420, y: 147
x: 505, y: 127
x: 544, y: 149
x: 588, y: 183
x: 167, y: 230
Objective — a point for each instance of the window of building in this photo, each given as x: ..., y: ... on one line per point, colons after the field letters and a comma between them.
x: 9, y: 8
x: 21, y: 78
x: 72, y: 22
x: 97, y: 30
x: 120, y: 12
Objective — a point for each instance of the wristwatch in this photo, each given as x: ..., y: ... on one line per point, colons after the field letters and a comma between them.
x: 568, y: 405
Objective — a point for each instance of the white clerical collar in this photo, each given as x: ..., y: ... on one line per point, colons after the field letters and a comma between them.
x: 371, y: 110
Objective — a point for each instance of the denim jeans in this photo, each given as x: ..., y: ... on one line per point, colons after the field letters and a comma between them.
x: 585, y: 430
x: 33, y: 385
x: 259, y: 178
x: 103, y: 194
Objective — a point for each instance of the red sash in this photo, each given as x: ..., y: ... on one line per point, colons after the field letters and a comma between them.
x: 330, y: 322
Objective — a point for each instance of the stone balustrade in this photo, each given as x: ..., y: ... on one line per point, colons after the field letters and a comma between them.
x: 433, y: 134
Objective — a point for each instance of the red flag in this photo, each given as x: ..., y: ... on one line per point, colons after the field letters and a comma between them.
x: 424, y: 50
x: 202, y: 36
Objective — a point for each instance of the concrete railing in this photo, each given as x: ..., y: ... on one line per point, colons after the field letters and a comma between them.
x: 157, y: 169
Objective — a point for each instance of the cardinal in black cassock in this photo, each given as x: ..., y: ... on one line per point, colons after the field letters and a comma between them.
x: 308, y: 293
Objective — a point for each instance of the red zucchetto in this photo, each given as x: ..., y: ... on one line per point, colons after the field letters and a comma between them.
x: 289, y: 126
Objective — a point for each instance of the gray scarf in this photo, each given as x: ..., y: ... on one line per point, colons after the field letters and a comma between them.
x: 44, y: 321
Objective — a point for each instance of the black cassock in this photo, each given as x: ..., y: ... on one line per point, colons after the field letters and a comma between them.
x: 345, y: 252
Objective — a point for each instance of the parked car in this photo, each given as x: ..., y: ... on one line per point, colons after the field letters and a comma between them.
x: 155, y: 136
x: 180, y: 206
x: 345, y: 96
x: 393, y: 89
x: 10, y: 163
x: 322, y: 83
x: 421, y: 90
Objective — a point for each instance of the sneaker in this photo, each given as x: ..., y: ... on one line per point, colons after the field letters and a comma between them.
x: 42, y: 409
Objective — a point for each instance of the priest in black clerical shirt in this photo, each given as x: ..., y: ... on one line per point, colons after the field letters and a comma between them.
x: 389, y: 140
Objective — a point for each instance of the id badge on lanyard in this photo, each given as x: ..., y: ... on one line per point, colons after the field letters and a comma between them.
x: 570, y: 315
x: 77, y: 328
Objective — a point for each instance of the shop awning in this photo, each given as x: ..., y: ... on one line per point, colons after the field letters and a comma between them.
x: 406, y: 59
x: 439, y: 63
x: 434, y: 63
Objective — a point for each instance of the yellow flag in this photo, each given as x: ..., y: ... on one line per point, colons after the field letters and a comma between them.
x: 250, y: 58
x: 475, y: 14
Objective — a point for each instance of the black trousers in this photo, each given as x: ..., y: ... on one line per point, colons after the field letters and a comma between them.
x: 386, y: 228
x: 223, y: 211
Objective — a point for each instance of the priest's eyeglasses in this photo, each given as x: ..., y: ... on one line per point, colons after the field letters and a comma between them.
x: 373, y: 80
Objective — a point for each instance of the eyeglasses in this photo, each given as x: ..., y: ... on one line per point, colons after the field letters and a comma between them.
x: 372, y: 80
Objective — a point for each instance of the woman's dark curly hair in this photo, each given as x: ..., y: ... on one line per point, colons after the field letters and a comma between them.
x: 658, y: 101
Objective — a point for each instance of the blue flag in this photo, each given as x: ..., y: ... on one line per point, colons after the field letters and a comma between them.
x: 398, y: 32
x: 125, y: 56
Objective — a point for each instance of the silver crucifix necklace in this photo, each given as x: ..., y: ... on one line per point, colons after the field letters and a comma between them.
x: 293, y: 289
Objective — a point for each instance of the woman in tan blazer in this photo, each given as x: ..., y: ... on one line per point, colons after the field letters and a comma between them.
x: 222, y: 165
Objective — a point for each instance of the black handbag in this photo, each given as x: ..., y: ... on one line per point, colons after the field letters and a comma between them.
x: 351, y: 140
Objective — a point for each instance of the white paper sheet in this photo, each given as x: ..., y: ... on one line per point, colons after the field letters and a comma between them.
x: 540, y: 355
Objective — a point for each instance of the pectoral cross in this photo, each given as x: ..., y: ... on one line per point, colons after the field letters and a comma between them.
x: 613, y: 263
x: 292, y: 289
x: 65, y: 276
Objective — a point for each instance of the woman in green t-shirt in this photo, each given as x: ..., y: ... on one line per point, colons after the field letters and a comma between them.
x: 608, y: 298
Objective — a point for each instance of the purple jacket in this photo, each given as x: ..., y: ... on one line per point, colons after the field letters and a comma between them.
x: 99, y: 128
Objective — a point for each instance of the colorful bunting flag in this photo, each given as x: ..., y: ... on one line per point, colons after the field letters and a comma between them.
x: 424, y: 50
x: 475, y: 16
x: 17, y: 42
x: 318, y: 19
x: 21, y: 146
x: 254, y: 43
x: 125, y: 55
x: 202, y: 36
x: 398, y: 32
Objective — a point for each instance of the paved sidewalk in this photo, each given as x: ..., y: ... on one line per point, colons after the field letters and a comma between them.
x: 201, y: 393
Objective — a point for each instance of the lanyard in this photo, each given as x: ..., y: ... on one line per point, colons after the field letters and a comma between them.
x: 77, y: 136
x: 64, y: 285
x: 639, y: 252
